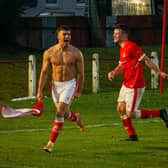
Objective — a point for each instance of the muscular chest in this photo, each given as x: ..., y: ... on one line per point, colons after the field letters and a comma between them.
x: 62, y: 58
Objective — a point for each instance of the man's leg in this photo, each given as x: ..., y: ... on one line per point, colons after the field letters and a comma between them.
x: 124, y: 104
x: 145, y: 113
x: 67, y: 97
x: 127, y: 122
x: 75, y: 117
x: 57, y: 126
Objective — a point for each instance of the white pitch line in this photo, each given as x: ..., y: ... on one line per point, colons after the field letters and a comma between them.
x: 16, y: 166
x: 72, y: 127
x: 46, y: 129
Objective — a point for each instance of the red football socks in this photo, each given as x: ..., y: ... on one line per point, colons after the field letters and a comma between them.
x: 127, y: 122
x: 149, y: 113
x: 57, y: 127
x: 72, y: 117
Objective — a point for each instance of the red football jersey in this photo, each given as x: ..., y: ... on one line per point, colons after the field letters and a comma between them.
x: 131, y: 56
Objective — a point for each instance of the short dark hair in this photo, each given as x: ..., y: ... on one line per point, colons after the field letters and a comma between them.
x: 63, y: 27
x: 123, y: 27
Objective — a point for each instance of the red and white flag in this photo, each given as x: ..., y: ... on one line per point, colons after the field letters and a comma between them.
x: 8, y: 112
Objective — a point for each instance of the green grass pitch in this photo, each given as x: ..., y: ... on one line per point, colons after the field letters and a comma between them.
x: 22, y: 140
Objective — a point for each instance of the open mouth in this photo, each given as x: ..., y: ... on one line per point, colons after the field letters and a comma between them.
x: 66, y: 40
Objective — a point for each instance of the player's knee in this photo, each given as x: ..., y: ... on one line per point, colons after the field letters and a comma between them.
x: 121, y: 109
x: 130, y: 114
x: 118, y: 109
x: 60, y: 114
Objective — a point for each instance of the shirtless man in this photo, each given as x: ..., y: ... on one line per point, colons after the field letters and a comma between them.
x: 67, y: 64
x: 131, y: 65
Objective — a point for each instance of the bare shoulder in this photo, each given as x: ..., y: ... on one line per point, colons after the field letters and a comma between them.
x: 76, y: 51
x: 49, y: 52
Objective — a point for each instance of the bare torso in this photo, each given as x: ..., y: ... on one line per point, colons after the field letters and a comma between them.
x: 66, y: 62
x: 63, y: 62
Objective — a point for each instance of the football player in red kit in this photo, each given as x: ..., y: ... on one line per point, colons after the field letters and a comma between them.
x: 133, y: 87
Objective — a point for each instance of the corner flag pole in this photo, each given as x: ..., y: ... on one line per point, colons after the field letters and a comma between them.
x: 163, y: 44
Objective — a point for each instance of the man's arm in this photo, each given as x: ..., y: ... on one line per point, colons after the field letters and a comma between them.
x: 80, y: 74
x: 117, y: 71
x: 153, y: 66
x: 43, y: 75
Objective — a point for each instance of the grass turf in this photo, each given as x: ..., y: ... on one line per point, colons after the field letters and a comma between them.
x: 22, y: 140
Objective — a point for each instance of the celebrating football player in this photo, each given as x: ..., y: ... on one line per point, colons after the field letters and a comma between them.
x: 131, y: 65
x: 67, y: 65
